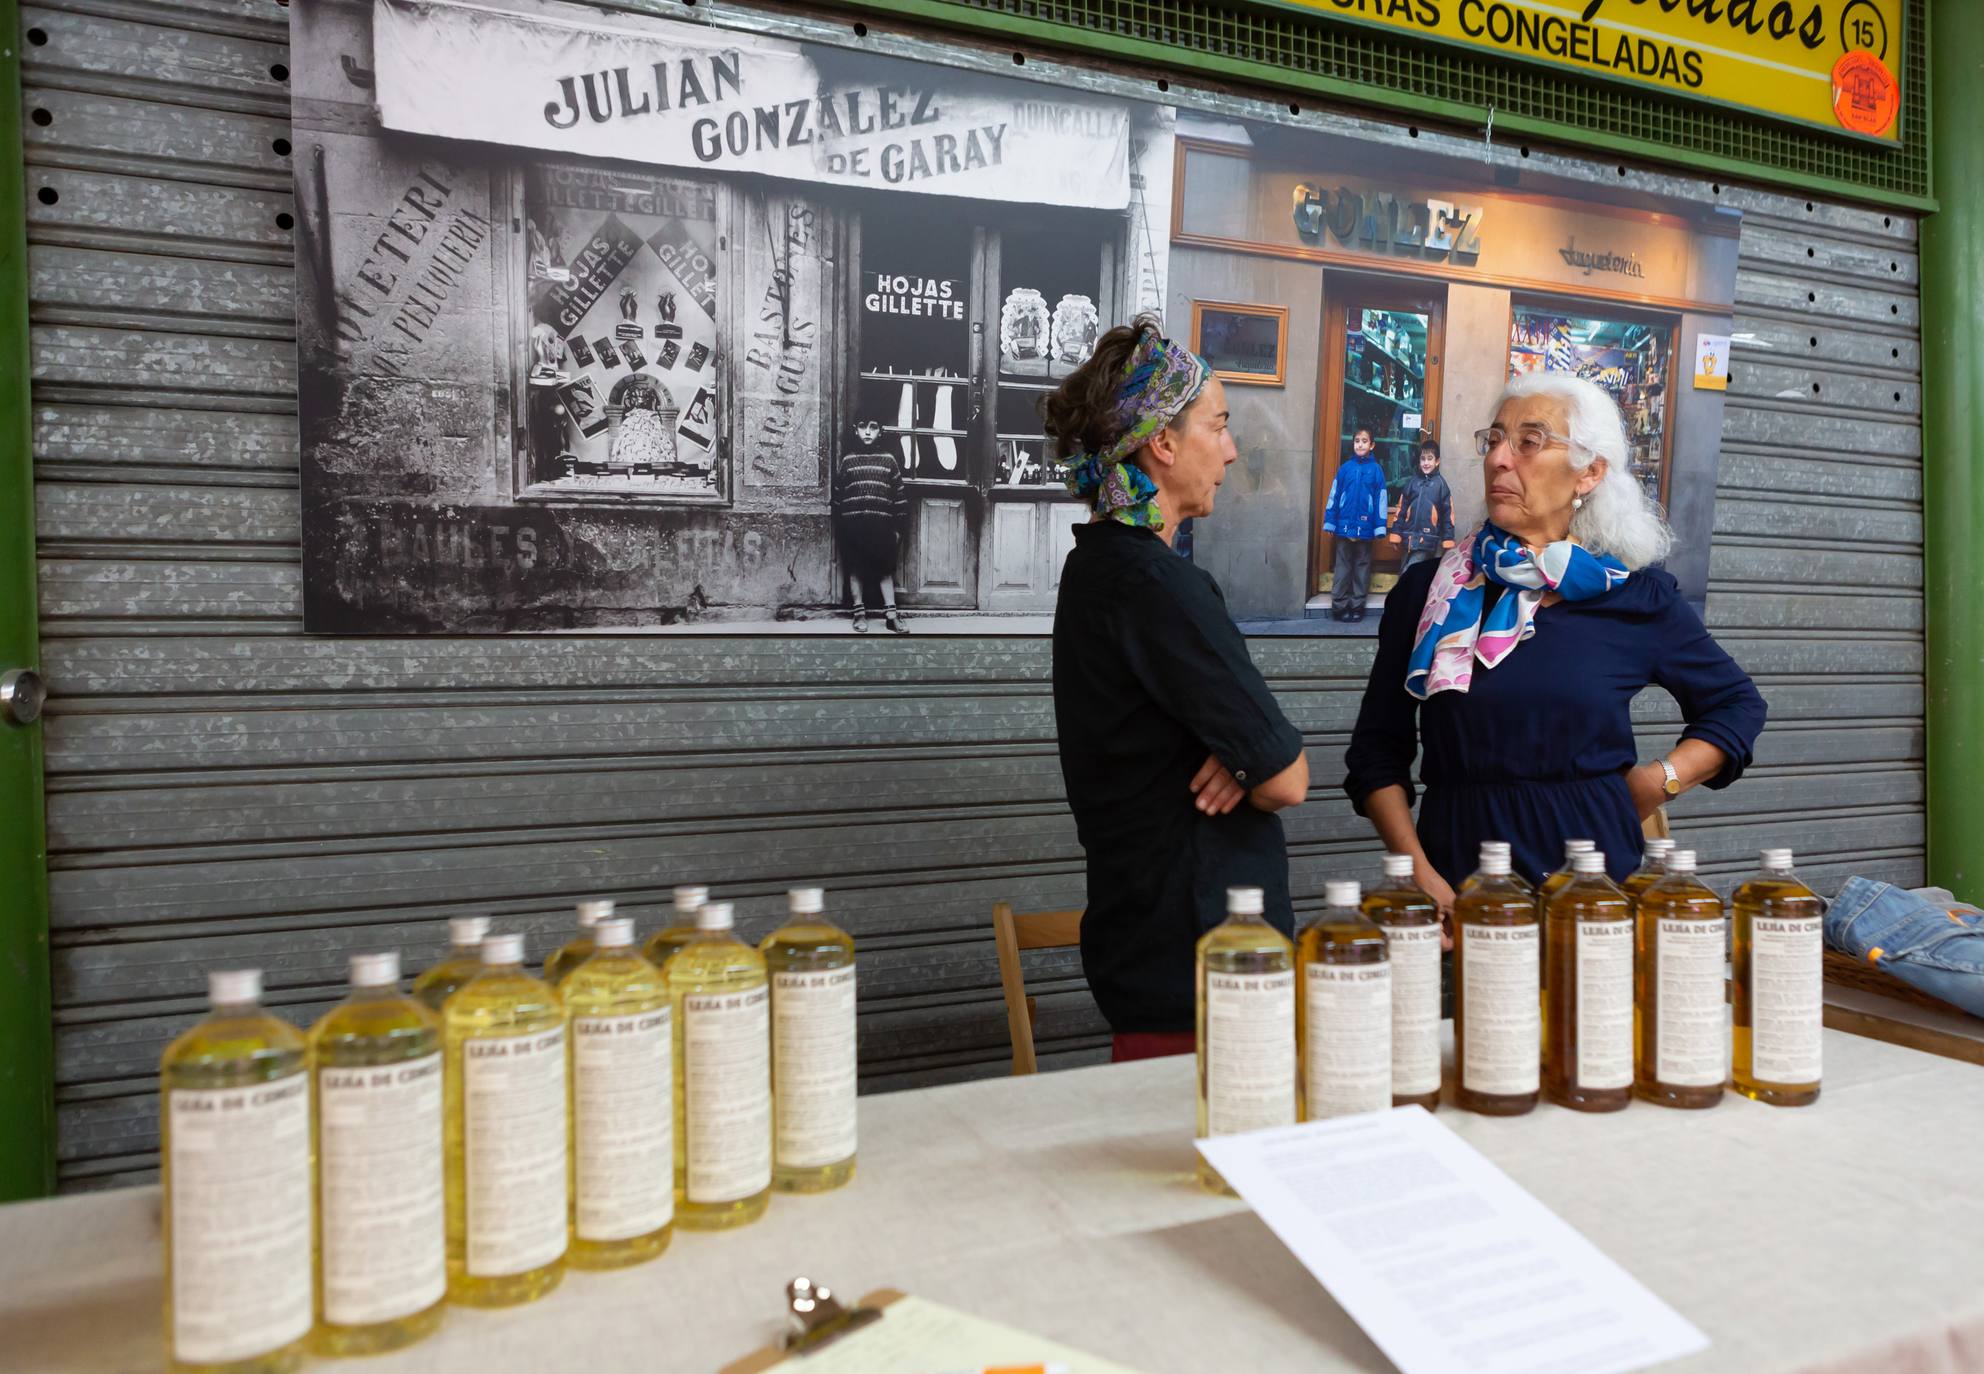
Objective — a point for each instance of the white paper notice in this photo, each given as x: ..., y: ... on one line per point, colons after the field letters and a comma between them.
x: 1445, y: 1262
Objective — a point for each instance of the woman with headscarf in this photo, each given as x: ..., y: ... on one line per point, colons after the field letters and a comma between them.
x: 1175, y: 754
x: 1510, y: 666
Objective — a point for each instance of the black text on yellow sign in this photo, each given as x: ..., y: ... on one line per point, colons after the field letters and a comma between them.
x: 1832, y: 63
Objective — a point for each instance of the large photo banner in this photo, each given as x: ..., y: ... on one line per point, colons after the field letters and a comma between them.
x: 609, y: 320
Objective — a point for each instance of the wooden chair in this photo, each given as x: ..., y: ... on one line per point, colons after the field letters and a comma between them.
x: 1655, y: 826
x: 1013, y: 932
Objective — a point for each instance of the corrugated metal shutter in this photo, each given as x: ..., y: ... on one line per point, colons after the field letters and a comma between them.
x: 225, y: 791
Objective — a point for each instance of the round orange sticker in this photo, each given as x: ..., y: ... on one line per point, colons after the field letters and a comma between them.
x: 1865, y: 95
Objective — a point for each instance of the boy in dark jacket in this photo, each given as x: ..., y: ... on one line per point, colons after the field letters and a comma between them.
x: 1423, y: 520
x: 870, y: 512
x: 1356, y: 516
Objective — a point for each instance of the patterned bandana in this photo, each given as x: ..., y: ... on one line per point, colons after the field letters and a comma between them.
x: 1453, y: 632
x: 1159, y: 381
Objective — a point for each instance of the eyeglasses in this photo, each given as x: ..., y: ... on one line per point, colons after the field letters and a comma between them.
x: 1527, y: 441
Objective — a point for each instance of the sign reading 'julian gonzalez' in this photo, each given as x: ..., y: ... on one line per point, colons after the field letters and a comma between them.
x: 1833, y: 63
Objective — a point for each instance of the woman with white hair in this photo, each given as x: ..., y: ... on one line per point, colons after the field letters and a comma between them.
x: 1512, y: 663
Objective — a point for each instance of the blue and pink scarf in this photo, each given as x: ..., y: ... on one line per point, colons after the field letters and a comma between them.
x: 1454, y: 630
x: 1159, y: 381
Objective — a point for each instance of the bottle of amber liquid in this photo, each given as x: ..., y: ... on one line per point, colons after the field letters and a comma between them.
x: 579, y: 948
x: 382, y: 1236
x: 1410, y: 919
x: 1680, y: 1012
x: 1780, y: 993
x: 1561, y: 879
x: 723, y: 1077
x: 621, y: 1078
x: 507, y: 1133
x: 1246, y: 1026
x: 811, y: 963
x: 1344, y: 1020
x: 461, y: 963
x: 1653, y: 867
x: 1497, y: 974
x: 1588, y: 1026
x: 234, y: 1123
x: 664, y: 942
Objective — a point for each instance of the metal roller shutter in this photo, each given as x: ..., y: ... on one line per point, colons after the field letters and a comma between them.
x: 225, y: 791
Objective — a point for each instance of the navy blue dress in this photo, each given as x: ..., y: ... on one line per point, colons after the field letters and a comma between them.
x: 1536, y: 751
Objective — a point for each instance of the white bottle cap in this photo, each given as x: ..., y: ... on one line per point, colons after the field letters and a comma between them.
x: 1587, y: 861
x: 713, y: 916
x: 1573, y: 848
x: 1495, y: 860
x: 593, y: 912
x: 615, y: 932
x: 1342, y: 893
x: 381, y: 970
x: 507, y: 948
x: 1659, y: 849
x: 1681, y: 861
x: 689, y: 900
x: 806, y: 901
x: 467, y: 931
x: 1245, y: 901
x: 230, y: 987
x: 1398, y: 865
x: 1777, y: 860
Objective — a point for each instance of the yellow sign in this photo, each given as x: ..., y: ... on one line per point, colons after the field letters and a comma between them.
x: 1833, y: 63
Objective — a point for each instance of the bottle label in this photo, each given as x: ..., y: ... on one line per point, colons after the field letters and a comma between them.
x: 1501, y: 1051
x: 1415, y: 960
x: 1787, y: 998
x: 1347, y: 1059
x: 1250, y: 1051
x: 1604, y: 1004
x: 379, y: 1179
x: 240, y: 1178
x: 1691, y: 1031
x: 623, y: 1124
x: 727, y: 1097
x: 813, y: 1066
x: 513, y: 1151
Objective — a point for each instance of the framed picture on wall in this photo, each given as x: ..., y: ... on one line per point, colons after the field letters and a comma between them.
x: 1244, y: 343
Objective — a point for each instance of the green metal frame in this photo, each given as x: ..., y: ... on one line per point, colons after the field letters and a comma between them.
x: 1322, y: 59
x: 27, y: 1035
x: 1953, y: 456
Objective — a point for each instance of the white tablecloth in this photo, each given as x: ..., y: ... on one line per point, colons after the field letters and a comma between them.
x: 1844, y: 1236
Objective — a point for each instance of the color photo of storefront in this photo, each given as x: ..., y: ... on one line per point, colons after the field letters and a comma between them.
x: 590, y: 307
x: 1408, y: 292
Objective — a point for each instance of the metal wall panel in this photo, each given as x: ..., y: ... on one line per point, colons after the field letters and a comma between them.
x: 223, y: 790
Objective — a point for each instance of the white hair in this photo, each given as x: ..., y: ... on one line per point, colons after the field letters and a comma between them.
x: 1617, y: 517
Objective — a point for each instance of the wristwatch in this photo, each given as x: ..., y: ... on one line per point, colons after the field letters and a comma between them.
x: 1672, y: 787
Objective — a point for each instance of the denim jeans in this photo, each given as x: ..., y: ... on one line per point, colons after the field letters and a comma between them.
x: 1938, y: 949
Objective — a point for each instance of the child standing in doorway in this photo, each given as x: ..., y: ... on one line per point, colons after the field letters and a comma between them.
x: 1423, y: 520
x: 871, y: 511
x: 1356, y: 516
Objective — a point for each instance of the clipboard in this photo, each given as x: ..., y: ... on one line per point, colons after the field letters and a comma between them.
x: 926, y: 1338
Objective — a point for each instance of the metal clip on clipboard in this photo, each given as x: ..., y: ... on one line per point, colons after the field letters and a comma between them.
x: 817, y: 1318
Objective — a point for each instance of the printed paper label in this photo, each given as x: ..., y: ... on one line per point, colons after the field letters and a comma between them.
x: 1415, y: 959
x: 1691, y: 1030
x: 1787, y: 998
x: 813, y: 1066
x: 1348, y: 1026
x: 379, y: 1170
x: 1604, y: 1004
x: 623, y: 1124
x: 1250, y: 1051
x: 513, y: 1151
x: 1502, y: 1044
x: 727, y: 1094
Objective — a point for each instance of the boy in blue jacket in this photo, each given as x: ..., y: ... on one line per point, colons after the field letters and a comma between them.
x: 1356, y: 516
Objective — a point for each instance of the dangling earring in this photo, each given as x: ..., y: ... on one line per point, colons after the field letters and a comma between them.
x: 1577, y: 503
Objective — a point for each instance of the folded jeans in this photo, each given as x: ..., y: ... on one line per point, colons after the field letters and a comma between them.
x: 1933, y: 946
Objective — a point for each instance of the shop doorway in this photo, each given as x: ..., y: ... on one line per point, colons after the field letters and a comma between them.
x: 1382, y: 343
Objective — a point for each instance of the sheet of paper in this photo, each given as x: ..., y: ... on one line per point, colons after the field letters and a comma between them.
x: 919, y: 1337
x: 1445, y: 1262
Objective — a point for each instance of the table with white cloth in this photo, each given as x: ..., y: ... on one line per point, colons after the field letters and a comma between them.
x: 1844, y: 1236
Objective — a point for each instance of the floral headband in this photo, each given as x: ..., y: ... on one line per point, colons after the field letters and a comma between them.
x: 1159, y: 381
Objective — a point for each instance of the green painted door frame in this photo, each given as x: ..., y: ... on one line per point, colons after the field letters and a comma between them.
x: 27, y: 1043
x: 1953, y: 448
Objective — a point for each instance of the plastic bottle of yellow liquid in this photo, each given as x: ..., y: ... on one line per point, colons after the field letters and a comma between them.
x: 811, y: 964
x: 234, y: 1123
x: 1680, y: 1010
x: 461, y: 963
x: 382, y: 1254
x: 664, y: 942
x: 1410, y: 920
x: 1780, y: 986
x: 1653, y: 867
x: 1345, y: 1015
x: 723, y: 1077
x: 507, y: 1132
x: 623, y: 1103
x: 579, y: 948
x: 1588, y: 949
x: 1498, y: 1025
x: 1561, y: 879
x: 1246, y: 1026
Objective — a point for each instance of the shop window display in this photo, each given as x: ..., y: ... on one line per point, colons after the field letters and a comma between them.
x: 1384, y: 389
x: 915, y: 340
x: 1629, y: 359
x: 1049, y: 285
